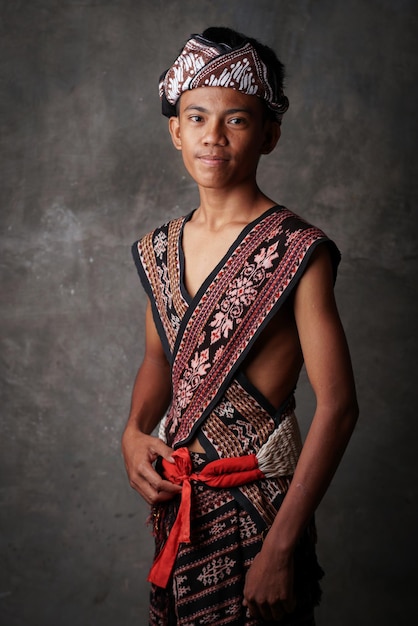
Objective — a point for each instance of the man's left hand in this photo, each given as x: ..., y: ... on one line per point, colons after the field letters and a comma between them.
x: 268, y: 591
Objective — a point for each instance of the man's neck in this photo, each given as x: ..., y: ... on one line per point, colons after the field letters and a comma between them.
x: 218, y: 208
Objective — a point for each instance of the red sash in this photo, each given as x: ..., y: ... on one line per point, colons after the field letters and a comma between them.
x: 230, y: 472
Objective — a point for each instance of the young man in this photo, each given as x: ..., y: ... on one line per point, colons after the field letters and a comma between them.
x: 240, y: 294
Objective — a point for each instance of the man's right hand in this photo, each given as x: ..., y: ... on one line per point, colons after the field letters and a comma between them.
x: 140, y: 451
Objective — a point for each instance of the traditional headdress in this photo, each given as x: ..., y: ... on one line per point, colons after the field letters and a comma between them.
x: 203, y: 63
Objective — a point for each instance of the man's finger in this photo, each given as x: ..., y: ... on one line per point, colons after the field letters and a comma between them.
x: 162, y: 449
x: 165, y: 485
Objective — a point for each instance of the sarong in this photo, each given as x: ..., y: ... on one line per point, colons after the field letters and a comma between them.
x: 228, y: 525
x: 208, y: 580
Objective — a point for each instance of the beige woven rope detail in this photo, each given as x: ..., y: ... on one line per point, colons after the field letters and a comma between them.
x: 280, y: 454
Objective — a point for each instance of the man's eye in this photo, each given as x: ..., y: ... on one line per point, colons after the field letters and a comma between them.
x: 195, y: 118
x: 236, y: 121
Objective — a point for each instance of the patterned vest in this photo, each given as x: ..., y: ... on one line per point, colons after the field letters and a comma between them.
x: 207, y: 337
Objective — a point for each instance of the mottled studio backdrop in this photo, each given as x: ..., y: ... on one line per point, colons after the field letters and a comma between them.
x: 86, y: 168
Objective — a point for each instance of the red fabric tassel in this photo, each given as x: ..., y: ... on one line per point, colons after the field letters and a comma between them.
x: 229, y: 472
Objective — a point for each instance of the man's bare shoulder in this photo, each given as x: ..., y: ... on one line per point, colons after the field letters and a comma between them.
x: 316, y: 284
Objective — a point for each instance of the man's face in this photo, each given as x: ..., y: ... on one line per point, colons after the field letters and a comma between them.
x: 222, y: 133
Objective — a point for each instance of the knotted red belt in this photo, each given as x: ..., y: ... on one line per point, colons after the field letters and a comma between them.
x: 230, y: 472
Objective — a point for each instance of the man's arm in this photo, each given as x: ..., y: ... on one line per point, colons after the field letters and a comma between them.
x: 269, y: 584
x: 150, y: 399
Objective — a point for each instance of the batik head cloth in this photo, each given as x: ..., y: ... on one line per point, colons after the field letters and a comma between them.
x: 203, y: 63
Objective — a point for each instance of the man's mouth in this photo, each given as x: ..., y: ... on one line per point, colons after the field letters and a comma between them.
x: 212, y: 159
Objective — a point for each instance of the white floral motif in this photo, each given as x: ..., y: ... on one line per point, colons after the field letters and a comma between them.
x: 175, y: 322
x: 233, y: 609
x: 160, y: 244
x: 192, y: 378
x: 165, y: 283
x: 225, y: 409
x: 216, y: 570
x: 210, y: 619
x: 266, y: 256
x: 184, y: 394
x: 182, y: 589
x: 217, y: 528
x: 242, y: 292
x: 248, y: 527
x: 218, y: 353
x: 173, y: 417
x: 199, y: 365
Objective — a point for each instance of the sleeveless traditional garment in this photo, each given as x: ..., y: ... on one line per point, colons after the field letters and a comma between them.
x: 206, y: 339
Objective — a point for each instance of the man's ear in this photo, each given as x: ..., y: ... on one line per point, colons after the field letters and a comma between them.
x: 174, y: 128
x: 272, y: 134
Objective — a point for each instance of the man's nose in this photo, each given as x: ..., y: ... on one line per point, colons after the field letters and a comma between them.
x: 215, y: 133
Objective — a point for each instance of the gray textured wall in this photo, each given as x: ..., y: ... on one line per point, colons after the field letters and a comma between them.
x: 86, y: 168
